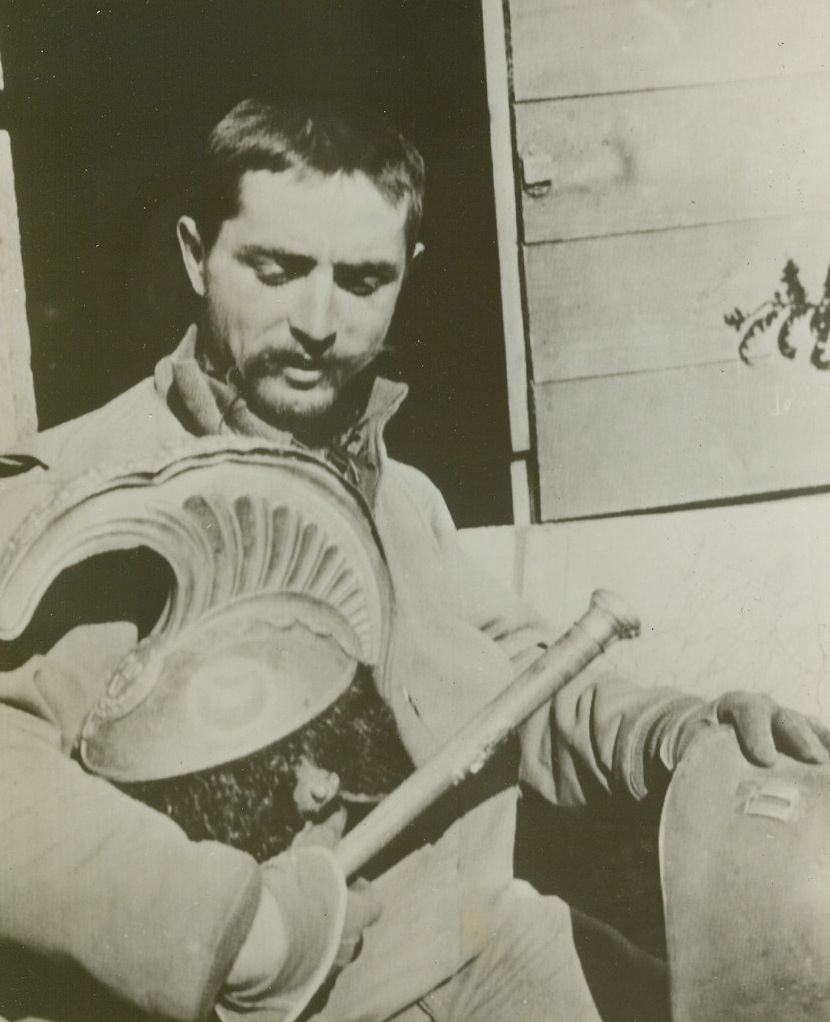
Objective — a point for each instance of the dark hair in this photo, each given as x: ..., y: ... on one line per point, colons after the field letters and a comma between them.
x: 249, y: 803
x: 259, y: 135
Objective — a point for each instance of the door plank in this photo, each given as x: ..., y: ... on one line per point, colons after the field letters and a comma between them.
x: 650, y: 440
x: 640, y: 302
x: 586, y: 48
x: 678, y: 157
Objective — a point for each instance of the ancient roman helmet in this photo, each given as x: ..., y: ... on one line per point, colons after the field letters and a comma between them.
x: 280, y: 592
x: 745, y: 863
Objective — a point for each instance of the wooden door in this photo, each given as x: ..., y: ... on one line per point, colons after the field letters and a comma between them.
x: 673, y: 157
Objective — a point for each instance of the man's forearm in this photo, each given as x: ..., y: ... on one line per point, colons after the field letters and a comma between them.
x: 93, y: 877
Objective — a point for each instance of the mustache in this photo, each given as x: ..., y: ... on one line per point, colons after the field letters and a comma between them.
x: 271, y: 361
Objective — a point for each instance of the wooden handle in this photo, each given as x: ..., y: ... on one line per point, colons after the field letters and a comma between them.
x: 606, y: 620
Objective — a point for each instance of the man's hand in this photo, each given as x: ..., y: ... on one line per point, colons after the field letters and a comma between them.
x: 295, y: 938
x: 308, y: 926
x: 324, y: 834
x: 763, y: 729
x: 362, y: 909
x: 363, y: 906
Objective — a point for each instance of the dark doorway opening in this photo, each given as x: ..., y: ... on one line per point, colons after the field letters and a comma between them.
x: 107, y: 101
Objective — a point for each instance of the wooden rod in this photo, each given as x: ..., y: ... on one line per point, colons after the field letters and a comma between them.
x: 606, y: 620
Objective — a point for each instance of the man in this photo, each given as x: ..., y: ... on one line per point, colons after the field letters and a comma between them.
x: 299, y: 239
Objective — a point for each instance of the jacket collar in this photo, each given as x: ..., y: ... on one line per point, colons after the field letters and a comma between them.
x: 208, y: 405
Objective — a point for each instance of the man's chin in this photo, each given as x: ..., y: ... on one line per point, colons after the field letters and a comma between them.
x: 290, y: 408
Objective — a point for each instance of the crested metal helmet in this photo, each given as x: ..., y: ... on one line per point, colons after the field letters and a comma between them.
x: 280, y: 592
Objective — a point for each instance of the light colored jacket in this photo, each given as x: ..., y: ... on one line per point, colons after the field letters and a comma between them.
x: 92, y: 877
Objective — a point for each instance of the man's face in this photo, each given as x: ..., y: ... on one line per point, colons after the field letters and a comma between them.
x: 300, y: 288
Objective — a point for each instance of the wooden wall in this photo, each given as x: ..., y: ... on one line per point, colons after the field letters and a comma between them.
x: 731, y: 597
x: 672, y: 157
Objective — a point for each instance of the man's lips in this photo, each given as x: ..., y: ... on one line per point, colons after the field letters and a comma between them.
x: 306, y: 375
x: 298, y: 370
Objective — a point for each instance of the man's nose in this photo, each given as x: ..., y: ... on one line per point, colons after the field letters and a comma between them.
x: 312, y: 322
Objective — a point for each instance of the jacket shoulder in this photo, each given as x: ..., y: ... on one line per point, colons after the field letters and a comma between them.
x: 136, y: 423
x: 132, y: 424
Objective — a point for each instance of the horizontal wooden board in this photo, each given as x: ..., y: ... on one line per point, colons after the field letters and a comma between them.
x: 677, y: 157
x: 680, y: 436
x: 572, y: 49
x: 652, y: 301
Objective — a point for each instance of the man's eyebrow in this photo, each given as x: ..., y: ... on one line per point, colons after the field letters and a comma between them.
x: 381, y: 269
x: 264, y: 253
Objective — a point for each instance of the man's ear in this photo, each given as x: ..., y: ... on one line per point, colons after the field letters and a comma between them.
x: 193, y: 253
x: 416, y: 255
